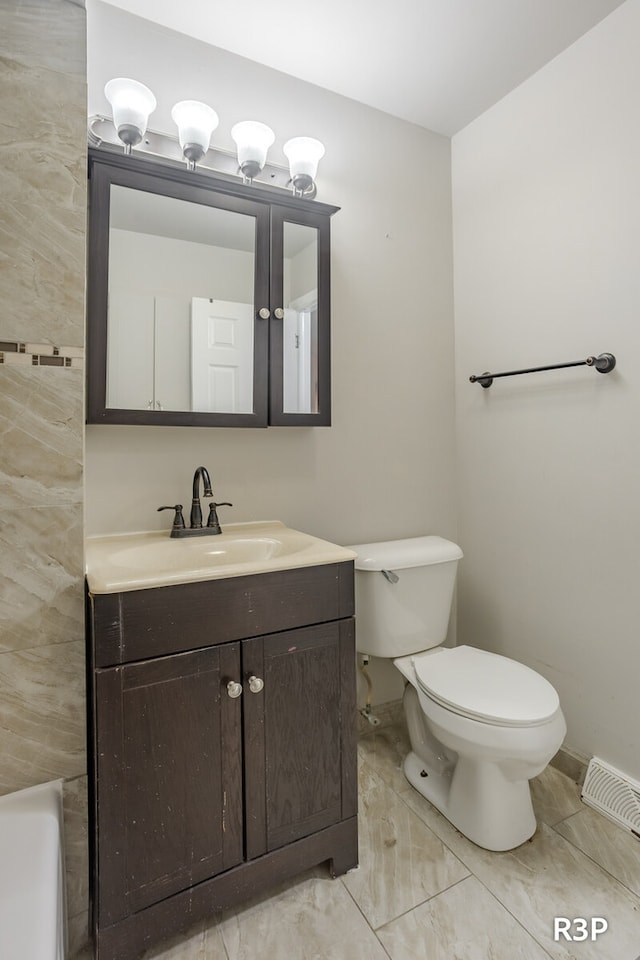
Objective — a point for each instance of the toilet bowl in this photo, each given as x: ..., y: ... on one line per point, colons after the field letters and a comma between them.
x: 480, y: 725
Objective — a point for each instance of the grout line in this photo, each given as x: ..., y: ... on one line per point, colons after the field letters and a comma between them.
x: 514, y: 918
x: 359, y: 908
x: 434, y: 896
x: 461, y: 857
x: 471, y: 874
x: 601, y: 866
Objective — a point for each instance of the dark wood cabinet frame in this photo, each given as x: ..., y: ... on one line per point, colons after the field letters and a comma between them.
x: 272, y: 208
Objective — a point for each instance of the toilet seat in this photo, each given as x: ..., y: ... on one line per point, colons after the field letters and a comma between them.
x: 485, y: 686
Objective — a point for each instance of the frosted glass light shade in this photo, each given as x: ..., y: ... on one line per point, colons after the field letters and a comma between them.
x: 253, y: 140
x: 303, y: 154
x: 196, y: 122
x: 131, y: 104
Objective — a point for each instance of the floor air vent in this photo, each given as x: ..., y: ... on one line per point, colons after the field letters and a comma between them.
x: 613, y: 794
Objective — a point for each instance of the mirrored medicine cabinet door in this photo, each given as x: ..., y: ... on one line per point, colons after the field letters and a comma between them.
x: 205, y: 307
x: 300, y: 365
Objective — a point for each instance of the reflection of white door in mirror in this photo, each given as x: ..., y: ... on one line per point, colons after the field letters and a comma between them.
x: 221, y: 356
x: 300, y: 355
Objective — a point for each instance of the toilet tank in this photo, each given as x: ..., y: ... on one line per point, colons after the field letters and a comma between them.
x: 398, y: 618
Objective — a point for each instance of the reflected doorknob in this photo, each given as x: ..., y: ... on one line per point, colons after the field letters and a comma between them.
x: 278, y: 313
x: 264, y: 313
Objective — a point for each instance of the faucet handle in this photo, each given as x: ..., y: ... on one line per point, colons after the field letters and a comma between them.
x: 178, y: 519
x: 213, y: 523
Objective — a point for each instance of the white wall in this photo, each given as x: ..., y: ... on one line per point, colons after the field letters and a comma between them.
x: 546, y: 244
x: 385, y: 468
x: 148, y: 264
x: 152, y: 280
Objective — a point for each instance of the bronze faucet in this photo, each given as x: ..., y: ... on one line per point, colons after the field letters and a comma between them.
x: 196, y: 510
x: 196, y: 529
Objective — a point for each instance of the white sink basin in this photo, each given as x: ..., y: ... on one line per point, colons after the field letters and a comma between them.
x: 147, y: 555
x: 138, y: 561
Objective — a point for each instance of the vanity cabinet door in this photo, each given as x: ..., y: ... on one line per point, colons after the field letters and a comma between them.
x: 169, y: 777
x: 299, y: 734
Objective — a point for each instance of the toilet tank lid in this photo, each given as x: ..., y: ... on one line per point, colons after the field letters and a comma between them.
x: 400, y: 554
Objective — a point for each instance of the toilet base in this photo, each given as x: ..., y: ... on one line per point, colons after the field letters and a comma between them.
x: 493, y: 812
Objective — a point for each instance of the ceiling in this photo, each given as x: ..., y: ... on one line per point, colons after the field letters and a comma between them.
x: 437, y: 63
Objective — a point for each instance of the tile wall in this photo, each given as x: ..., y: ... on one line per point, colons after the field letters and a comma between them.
x: 42, y: 270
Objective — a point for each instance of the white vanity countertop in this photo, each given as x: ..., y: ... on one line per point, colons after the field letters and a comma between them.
x: 139, y: 561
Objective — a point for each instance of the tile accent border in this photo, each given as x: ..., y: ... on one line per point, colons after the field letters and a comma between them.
x: 40, y: 354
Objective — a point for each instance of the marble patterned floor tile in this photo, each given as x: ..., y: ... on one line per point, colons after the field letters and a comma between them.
x: 76, y: 846
x: 610, y: 845
x: 47, y: 32
x: 41, y: 577
x: 463, y: 923
x: 39, y: 276
x: 571, y: 764
x: 41, y: 432
x: 402, y: 862
x: 184, y: 946
x: 313, y: 919
x: 79, y: 946
x: 385, y: 751
x: 544, y: 878
x: 43, y: 183
x: 555, y: 797
x: 42, y: 715
x: 213, y: 942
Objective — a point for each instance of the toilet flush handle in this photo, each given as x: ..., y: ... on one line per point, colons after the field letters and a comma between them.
x: 390, y: 576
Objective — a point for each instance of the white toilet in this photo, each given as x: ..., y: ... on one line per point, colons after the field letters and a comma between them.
x: 480, y: 725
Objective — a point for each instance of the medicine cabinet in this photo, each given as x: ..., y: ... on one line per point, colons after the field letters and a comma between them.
x: 208, y: 299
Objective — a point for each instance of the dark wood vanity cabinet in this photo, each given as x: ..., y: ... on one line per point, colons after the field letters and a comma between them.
x: 201, y: 798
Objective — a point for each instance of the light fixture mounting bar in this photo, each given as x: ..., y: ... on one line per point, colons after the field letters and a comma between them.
x: 165, y: 147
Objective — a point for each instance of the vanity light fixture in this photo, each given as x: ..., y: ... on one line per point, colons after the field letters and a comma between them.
x: 195, y: 122
x: 303, y: 154
x: 253, y: 140
x: 132, y: 103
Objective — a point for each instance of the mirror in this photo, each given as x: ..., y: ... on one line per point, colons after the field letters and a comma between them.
x: 300, y: 322
x: 180, y: 320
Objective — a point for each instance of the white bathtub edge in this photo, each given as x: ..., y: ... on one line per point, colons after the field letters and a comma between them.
x: 39, y: 804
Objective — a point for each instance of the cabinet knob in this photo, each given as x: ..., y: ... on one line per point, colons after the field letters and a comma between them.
x: 264, y: 313
x: 255, y: 684
x: 278, y: 313
x: 234, y: 689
